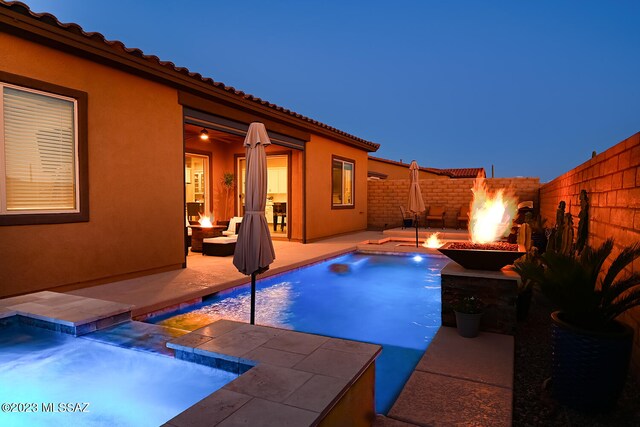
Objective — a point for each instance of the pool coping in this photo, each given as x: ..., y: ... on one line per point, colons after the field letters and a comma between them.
x: 69, y: 314
x: 294, y: 378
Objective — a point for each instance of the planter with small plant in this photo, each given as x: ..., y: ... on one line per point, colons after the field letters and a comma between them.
x: 591, y: 349
x: 468, y: 311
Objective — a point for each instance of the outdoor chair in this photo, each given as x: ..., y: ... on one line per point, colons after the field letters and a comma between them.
x: 279, y: 211
x: 407, y: 218
x: 463, y: 216
x: 234, y: 226
x: 436, y: 213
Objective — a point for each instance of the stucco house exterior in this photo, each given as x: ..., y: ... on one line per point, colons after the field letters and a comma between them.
x: 104, y: 146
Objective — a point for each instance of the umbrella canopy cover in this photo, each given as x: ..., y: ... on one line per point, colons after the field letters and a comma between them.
x: 254, y: 249
x: 416, y: 203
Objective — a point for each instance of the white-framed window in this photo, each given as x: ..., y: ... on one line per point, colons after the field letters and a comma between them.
x: 39, y: 163
x: 342, y: 182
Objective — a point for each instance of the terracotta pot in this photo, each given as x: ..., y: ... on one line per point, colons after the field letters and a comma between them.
x: 468, y: 324
x: 589, y: 368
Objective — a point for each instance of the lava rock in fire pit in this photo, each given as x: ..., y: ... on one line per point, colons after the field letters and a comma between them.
x: 494, y: 246
x: 485, y: 256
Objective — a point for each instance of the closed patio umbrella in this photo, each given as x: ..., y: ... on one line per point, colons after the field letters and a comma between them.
x: 416, y: 204
x: 254, y: 249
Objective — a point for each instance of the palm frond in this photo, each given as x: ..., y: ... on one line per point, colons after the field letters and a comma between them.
x: 623, y: 303
x: 619, y: 287
x: 593, y: 259
x: 624, y: 258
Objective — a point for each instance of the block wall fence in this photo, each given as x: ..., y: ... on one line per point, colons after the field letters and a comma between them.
x: 612, y: 181
x: 386, y: 197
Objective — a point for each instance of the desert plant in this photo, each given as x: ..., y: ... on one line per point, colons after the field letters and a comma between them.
x: 589, y: 297
x: 468, y: 305
x: 555, y: 237
x: 583, y: 223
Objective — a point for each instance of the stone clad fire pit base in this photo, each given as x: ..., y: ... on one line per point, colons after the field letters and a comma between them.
x: 497, y: 289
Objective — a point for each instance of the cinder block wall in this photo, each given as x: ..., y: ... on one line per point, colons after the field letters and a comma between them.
x: 386, y: 196
x: 612, y: 180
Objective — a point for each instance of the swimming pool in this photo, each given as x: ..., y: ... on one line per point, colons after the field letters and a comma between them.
x: 393, y: 301
x: 121, y: 387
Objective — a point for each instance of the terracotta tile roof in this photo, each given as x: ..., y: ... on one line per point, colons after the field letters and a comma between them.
x: 50, y: 19
x: 465, y: 172
x: 406, y: 165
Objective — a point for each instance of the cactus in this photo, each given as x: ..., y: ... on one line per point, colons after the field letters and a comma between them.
x: 555, y: 238
x: 566, y: 242
x: 524, y: 236
x: 561, y: 237
x: 560, y: 225
x: 583, y: 223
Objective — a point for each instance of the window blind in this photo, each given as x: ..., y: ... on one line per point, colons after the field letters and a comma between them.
x: 39, y: 152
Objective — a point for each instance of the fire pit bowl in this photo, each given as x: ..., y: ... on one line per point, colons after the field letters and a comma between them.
x: 489, y: 256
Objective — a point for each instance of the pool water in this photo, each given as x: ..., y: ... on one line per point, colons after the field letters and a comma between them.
x: 123, y: 387
x: 393, y: 301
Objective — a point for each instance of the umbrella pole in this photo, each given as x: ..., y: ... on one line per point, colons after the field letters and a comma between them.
x: 253, y: 298
x: 416, y: 221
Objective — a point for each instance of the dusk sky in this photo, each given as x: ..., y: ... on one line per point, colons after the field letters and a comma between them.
x: 532, y: 87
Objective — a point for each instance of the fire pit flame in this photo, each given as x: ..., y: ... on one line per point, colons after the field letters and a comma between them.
x: 206, y: 221
x: 491, y: 213
x: 433, y: 241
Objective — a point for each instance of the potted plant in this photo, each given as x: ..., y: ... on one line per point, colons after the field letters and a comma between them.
x: 468, y: 311
x: 590, y: 348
